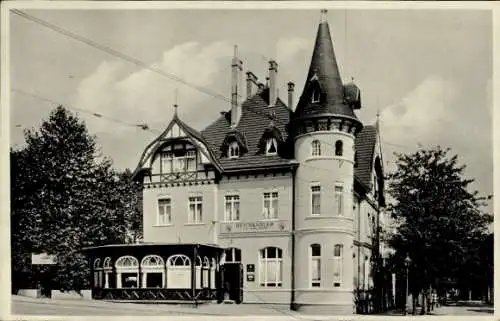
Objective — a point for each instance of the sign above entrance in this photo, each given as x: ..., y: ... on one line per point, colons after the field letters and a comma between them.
x: 255, y: 227
x: 43, y: 259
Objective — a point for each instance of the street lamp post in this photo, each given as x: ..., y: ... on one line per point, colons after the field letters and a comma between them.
x: 407, y: 264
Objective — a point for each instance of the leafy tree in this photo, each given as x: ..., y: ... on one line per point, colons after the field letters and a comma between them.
x: 63, y: 199
x: 438, y: 217
x: 130, y: 191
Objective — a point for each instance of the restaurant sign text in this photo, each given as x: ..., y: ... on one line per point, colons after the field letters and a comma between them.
x: 259, y: 226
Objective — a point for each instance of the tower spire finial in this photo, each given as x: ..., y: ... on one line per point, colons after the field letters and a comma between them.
x: 323, y: 15
x: 378, y: 116
x: 176, y: 100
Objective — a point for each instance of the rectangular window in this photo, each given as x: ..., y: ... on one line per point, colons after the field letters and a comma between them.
x: 315, y: 265
x: 316, y: 200
x: 166, y: 162
x: 337, y: 265
x: 195, y: 209
x: 232, y: 210
x: 191, y: 160
x: 271, y: 205
x: 178, y: 161
x: 179, y: 164
x: 164, y: 212
x: 271, y: 267
x: 339, y: 192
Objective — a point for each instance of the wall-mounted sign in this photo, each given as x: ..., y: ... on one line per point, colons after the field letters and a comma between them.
x: 259, y: 226
x: 43, y: 259
x: 250, y: 268
x: 250, y: 277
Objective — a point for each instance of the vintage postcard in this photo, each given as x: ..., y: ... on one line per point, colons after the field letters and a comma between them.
x: 293, y: 160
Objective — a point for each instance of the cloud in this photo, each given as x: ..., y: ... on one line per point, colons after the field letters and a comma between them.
x: 420, y: 115
x: 143, y: 96
x: 288, y: 52
x: 433, y: 113
x: 146, y: 96
x: 288, y: 48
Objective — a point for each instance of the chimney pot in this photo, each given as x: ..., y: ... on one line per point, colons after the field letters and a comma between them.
x: 251, y: 84
x: 273, y: 73
x: 291, y: 88
x: 236, y: 67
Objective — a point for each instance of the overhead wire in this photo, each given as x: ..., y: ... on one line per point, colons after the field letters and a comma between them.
x: 118, y: 54
x: 135, y: 61
x: 144, y: 127
x: 142, y: 64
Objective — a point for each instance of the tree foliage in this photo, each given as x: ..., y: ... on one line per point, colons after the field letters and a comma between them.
x: 439, y: 218
x: 63, y: 199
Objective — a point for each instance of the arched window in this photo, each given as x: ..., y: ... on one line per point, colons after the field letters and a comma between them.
x: 127, y: 272
x: 315, y: 96
x: 97, y: 273
x: 153, y: 272
x: 232, y: 255
x: 316, y: 148
x: 337, y: 265
x: 271, y: 267
x: 107, y: 263
x: 338, y: 148
x: 107, y: 271
x: 179, y: 260
x: 178, y: 272
x: 206, y: 270
x: 315, y: 253
x: 233, y: 150
x: 271, y: 146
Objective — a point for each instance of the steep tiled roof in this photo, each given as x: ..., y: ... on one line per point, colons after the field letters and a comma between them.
x: 365, y: 149
x: 256, y: 117
x: 324, y: 70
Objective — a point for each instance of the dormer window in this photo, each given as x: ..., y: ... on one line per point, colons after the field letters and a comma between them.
x: 271, y: 146
x: 315, y: 96
x: 233, y: 150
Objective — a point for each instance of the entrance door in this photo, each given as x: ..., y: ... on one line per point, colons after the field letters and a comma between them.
x: 233, y: 281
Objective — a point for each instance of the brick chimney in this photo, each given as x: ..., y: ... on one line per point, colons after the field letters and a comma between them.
x: 236, y: 68
x: 252, y: 84
x: 273, y: 73
x: 291, y: 88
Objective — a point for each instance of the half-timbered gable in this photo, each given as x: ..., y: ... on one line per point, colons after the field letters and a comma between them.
x: 179, y: 155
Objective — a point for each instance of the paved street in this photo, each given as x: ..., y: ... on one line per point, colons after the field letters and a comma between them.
x: 464, y: 309
x: 30, y: 306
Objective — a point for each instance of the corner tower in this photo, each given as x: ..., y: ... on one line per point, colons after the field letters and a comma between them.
x: 325, y: 127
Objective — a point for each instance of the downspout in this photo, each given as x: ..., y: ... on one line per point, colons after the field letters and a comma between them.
x: 292, y: 270
x: 359, y: 244
x: 378, y: 261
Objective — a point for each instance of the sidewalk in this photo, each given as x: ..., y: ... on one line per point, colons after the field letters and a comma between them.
x: 447, y: 310
x: 185, y: 309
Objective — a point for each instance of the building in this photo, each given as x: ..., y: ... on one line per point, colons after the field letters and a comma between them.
x: 293, y: 193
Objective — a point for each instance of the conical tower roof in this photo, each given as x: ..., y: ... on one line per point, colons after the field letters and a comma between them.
x: 323, y: 75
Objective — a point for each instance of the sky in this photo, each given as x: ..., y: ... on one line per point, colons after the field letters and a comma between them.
x: 428, y: 72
